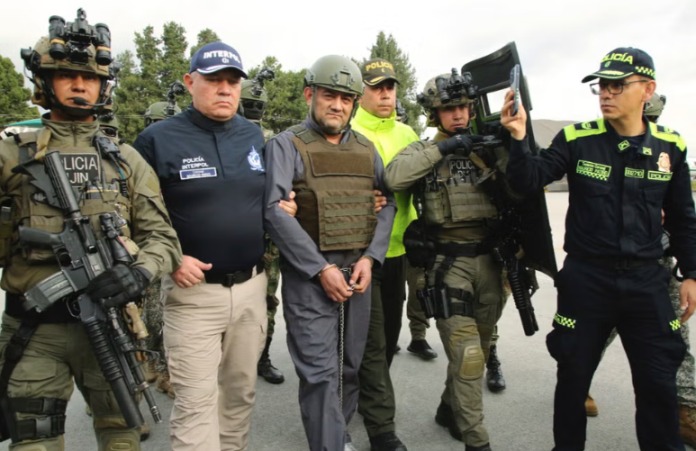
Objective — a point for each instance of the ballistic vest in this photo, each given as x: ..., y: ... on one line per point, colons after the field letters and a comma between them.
x: 335, y: 200
x: 452, y: 197
x: 97, y: 187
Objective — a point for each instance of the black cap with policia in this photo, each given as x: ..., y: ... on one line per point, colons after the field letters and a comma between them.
x: 624, y: 62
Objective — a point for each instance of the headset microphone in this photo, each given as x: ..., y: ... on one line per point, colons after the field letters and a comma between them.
x: 83, y: 102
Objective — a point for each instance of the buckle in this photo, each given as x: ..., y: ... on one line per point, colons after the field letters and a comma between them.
x: 229, y: 280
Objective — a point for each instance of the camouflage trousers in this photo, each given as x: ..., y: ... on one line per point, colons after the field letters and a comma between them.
x: 686, y: 387
x: 152, y: 317
x: 271, y: 262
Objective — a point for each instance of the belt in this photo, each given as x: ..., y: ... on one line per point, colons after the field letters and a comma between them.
x: 619, y: 263
x: 227, y: 280
x: 462, y: 250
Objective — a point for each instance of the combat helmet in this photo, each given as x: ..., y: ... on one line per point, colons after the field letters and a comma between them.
x: 337, y: 73
x: 653, y: 107
x: 159, y: 111
x: 72, y: 46
x: 446, y: 90
x: 253, y: 99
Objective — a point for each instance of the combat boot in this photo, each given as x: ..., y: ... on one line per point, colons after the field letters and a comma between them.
x: 591, y: 409
x: 265, y: 368
x: 494, y: 374
x: 422, y: 349
x: 687, y: 425
x: 445, y: 418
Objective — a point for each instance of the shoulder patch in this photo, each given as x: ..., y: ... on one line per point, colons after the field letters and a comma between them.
x: 667, y: 134
x: 583, y: 129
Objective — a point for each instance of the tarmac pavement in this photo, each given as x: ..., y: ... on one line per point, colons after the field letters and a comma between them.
x: 518, y: 419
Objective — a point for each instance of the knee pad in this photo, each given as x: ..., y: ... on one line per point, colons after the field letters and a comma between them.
x: 473, y: 363
x: 118, y: 439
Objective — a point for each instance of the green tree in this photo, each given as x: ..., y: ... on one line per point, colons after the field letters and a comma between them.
x: 146, y: 77
x: 14, y: 97
x: 204, y: 37
x: 387, y: 48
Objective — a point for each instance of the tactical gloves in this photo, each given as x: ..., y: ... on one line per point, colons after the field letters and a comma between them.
x: 118, y: 285
x: 458, y: 145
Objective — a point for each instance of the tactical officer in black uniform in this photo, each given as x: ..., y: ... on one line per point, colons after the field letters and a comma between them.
x: 623, y: 173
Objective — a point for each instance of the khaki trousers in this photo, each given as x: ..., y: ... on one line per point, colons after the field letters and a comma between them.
x: 214, y: 336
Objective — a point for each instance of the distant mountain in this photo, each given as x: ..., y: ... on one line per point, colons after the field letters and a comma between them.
x: 546, y: 129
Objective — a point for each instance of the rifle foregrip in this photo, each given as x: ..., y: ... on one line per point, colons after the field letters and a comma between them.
x: 111, y: 369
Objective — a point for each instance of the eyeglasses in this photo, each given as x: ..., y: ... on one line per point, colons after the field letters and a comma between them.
x: 613, y: 87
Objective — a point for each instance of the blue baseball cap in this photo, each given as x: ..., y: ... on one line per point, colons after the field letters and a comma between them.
x: 215, y: 57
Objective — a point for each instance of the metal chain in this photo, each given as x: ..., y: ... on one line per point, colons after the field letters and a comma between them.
x: 341, y: 348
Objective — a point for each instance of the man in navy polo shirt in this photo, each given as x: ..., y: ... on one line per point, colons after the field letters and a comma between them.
x: 210, y: 164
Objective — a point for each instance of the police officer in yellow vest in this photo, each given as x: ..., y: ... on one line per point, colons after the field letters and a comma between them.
x: 71, y: 79
x: 328, y: 250
x: 464, y: 280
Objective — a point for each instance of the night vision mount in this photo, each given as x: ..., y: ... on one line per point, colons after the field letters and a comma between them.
x: 263, y: 76
x: 71, y: 40
x: 455, y: 87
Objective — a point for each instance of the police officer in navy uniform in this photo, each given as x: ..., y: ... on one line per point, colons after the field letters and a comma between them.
x: 210, y: 164
x: 623, y: 172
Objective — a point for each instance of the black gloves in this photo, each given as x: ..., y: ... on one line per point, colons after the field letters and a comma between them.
x: 458, y: 144
x: 118, y: 285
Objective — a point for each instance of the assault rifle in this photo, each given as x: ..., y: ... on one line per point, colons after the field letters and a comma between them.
x: 507, y: 247
x: 82, y: 257
x: 523, y: 284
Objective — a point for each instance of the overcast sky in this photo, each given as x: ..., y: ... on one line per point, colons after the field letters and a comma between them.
x: 558, y: 42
